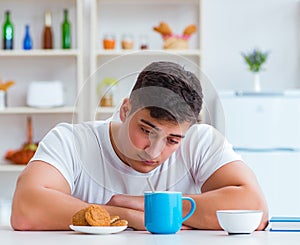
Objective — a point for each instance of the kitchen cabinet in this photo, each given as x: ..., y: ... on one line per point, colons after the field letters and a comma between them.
x: 136, y: 18
x: 25, y: 66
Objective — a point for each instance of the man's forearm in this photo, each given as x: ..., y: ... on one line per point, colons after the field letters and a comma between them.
x: 230, y: 197
x: 43, y: 209
x: 128, y: 207
x: 48, y: 209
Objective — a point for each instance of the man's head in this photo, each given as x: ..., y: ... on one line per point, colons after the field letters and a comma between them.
x: 165, y: 101
x: 168, y: 91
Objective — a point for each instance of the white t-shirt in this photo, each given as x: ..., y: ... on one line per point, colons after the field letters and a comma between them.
x: 83, y: 153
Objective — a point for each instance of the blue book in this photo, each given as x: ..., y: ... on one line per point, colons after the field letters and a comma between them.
x: 285, y: 224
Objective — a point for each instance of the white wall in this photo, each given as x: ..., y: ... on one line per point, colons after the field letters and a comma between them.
x: 233, y: 26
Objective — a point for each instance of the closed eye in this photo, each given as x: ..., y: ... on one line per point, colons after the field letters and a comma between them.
x: 171, y: 141
x: 144, y: 130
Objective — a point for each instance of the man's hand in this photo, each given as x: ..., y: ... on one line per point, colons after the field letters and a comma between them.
x: 127, y: 201
x: 128, y: 207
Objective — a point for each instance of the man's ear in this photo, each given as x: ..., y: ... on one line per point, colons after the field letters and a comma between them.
x: 125, y: 109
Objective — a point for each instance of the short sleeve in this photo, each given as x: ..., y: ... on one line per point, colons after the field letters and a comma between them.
x: 56, y: 149
x: 208, y: 150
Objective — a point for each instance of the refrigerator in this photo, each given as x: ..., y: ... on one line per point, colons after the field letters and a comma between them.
x: 264, y: 128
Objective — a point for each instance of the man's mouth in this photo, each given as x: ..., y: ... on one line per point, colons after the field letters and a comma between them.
x: 148, y: 162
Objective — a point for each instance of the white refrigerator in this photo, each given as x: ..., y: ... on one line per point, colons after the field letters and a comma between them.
x: 264, y: 128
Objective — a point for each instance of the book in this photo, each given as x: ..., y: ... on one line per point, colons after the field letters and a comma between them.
x: 285, y: 224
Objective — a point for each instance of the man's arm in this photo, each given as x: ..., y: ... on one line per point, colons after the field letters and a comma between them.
x: 42, y: 201
x: 233, y: 186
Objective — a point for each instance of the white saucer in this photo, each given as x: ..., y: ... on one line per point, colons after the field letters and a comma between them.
x: 98, y: 229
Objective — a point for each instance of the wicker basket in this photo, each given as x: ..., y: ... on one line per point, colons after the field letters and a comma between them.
x: 22, y: 155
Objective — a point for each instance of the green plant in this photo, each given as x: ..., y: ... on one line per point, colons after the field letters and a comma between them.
x: 255, y: 59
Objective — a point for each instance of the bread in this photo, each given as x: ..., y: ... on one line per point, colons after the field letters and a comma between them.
x: 96, y: 215
x: 189, y: 30
x: 163, y: 28
x: 120, y: 222
x: 79, y: 218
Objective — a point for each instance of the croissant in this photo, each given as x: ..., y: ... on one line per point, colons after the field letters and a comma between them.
x: 189, y: 30
x: 172, y: 41
x: 163, y: 28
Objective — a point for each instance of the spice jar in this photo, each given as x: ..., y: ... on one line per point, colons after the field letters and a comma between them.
x: 144, y: 42
x: 109, y: 41
x: 106, y: 90
x: 127, y: 41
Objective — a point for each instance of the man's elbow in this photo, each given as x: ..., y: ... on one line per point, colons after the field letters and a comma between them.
x: 263, y: 224
x: 262, y: 205
x: 19, y: 221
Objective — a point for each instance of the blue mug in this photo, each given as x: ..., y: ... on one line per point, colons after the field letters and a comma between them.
x: 163, y: 211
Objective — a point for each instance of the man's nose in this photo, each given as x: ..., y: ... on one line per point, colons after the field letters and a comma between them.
x: 155, y: 147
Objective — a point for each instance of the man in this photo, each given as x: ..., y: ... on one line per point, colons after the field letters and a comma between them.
x: 108, y: 162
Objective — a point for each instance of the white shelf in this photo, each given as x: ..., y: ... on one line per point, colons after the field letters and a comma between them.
x: 38, y: 53
x: 106, y: 110
x: 192, y: 52
x: 30, y: 110
x: 147, y: 2
x: 5, y: 167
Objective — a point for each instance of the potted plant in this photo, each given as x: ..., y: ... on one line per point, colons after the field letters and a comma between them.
x: 255, y: 59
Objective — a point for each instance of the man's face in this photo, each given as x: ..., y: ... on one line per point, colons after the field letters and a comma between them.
x: 145, y: 142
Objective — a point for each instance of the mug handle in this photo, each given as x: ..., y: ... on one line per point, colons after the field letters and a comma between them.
x: 193, y: 208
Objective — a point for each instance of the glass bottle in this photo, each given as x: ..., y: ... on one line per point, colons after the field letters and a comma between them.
x: 8, y: 32
x: 27, y: 42
x: 66, y: 31
x: 47, y: 35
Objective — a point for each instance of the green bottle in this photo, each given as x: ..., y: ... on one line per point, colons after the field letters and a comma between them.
x: 8, y: 32
x: 66, y: 31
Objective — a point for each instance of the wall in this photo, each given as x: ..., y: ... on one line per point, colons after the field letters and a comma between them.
x: 233, y: 26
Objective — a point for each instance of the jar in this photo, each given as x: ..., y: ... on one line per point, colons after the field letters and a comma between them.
x: 107, y: 100
x: 106, y: 90
x: 109, y: 41
x: 144, y: 42
x: 127, y: 41
x: 2, y: 100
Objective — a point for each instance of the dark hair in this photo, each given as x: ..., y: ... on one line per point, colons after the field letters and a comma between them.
x: 168, y: 91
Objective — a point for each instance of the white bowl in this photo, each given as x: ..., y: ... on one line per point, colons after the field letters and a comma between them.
x: 239, y: 221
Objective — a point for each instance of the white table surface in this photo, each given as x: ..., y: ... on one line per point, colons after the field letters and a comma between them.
x: 10, y: 237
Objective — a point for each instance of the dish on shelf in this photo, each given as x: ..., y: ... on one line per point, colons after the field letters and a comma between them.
x: 98, y: 230
x: 45, y: 94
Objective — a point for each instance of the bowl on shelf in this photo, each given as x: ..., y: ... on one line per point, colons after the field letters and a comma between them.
x: 239, y: 221
x: 45, y: 94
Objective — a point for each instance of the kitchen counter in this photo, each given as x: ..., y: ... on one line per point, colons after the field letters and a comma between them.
x: 8, y: 236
